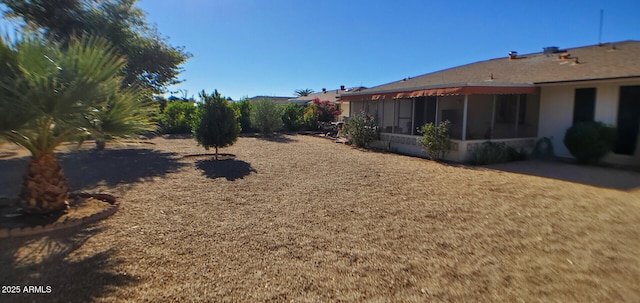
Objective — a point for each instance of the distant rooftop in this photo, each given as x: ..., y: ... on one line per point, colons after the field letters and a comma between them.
x: 275, y: 99
x: 332, y: 95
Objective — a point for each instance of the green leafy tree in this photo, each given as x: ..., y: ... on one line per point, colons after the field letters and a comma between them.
x: 266, y: 117
x: 244, y: 107
x: 435, y: 139
x: 293, y: 117
x: 303, y: 92
x: 51, y: 94
x: 218, y: 124
x: 152, y: 63
x: 179, y: 117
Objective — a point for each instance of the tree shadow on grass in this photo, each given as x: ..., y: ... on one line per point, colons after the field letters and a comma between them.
x: 117, y: 166
x: 231, y: 169
x: 48, y: 260
x: 89, y: 168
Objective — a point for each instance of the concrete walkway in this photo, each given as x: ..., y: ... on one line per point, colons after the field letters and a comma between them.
x: 620, y: 179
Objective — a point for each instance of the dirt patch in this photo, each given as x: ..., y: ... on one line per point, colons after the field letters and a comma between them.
x: 305, y: 219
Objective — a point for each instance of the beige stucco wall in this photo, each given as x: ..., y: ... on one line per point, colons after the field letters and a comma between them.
x: 556, y: 113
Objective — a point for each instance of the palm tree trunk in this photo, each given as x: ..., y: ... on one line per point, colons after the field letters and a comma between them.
x: 44, y: 188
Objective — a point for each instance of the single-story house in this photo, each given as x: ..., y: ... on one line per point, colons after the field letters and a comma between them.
x: 274, y: 99
x: 331, y: 95
x: 517, y: 99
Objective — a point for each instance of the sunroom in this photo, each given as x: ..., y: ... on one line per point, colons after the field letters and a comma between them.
x: 478, y: 113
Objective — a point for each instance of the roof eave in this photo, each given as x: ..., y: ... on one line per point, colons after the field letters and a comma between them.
x: 449, y: 85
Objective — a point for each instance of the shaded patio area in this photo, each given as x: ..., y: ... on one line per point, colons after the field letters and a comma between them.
x: 605, y: 177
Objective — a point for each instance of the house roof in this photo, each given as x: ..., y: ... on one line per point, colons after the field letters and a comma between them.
x: 331, y: 95
x: 277, y: 100
x: 604, y: 61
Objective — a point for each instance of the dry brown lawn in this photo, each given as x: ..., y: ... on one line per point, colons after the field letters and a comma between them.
x: 302, y: 219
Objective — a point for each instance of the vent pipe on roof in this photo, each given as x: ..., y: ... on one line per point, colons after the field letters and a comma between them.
x: 324, y: 90
x: 550, y: 50
x: 513, y: 55
x: 341, y: 87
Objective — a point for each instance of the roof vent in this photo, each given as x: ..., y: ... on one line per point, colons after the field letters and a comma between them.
x: 550, y: 50
x: 324, y: 90
x: 341, y: 87
x: 513, y: 55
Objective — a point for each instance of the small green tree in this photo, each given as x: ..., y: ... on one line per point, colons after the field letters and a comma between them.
x: 435, y: 139
x: 51, y: 94
x: 361, y: 130
x: 293, y: 117
x: 266, y: 117
x: 218, y: 124
x: 244, y: 107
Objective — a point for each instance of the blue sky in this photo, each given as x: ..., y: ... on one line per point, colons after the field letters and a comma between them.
x: 259, y: 47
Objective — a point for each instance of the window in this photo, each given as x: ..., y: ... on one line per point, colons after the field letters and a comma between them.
x: 584, y: 105
x: 628, y: 120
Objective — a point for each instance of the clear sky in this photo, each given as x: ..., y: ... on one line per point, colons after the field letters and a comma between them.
x: 272, y: 47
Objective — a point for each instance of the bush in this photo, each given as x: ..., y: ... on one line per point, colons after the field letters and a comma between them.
x: 361, y: 130
x: 435, y: 139
x: 244, y: 107
x: 266, y: 117
x: 179, y: 117
x: 293, y: 117
x: 320, y: 111
x: 492, y: 152
x: 588, y: 142
x: 218, y: 125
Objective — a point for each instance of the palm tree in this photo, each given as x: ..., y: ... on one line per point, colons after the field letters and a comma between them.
x: 50, y: 94
x: 303, y: 92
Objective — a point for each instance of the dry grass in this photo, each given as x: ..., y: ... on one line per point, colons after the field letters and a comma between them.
x: 304, y: 219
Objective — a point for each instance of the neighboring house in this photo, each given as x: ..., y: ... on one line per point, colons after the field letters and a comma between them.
x: 331, y: 95
x: 276, y: 100
x: 517, y: 99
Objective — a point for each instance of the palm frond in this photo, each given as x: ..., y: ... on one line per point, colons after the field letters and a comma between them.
x: 57, y: 94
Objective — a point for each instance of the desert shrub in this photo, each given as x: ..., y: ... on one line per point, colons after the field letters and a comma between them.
x: 266, y: 117
x: 492, y: 152
x: 588, y: 142
x: 178, y: 117
x: 218, y: 125
x: 293, y: 117
x: 320, y: 111
x: 435, y: 139
x: 361, y: 130
x: 244, y: 107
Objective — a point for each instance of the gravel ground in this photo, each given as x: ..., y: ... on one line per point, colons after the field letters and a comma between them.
x: 302, y: 219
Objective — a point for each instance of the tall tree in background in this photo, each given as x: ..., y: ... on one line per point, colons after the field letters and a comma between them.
x: 218, y: 125
x: 152, y: 63
x: 267, y: 117
x: 303, y: 92
x: 51, y: 94
x: 244, y: 107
